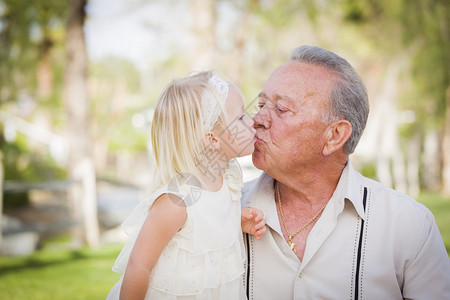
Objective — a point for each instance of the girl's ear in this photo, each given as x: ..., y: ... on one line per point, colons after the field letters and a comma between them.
x: 336, y: 136
x: 211, y: 141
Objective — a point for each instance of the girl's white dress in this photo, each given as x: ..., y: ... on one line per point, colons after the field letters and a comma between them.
x: 204, y: 260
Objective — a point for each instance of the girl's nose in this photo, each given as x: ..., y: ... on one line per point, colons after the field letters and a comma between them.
x: 251, y: 122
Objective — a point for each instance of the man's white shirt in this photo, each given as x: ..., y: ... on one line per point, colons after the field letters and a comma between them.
x: 371, y: 242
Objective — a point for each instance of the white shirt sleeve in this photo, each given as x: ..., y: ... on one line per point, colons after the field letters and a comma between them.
x: 427, y: 276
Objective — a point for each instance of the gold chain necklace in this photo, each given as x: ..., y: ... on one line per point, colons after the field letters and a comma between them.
x: 290, y: 243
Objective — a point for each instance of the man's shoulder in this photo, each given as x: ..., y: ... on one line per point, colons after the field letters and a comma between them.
x: 394, y: 200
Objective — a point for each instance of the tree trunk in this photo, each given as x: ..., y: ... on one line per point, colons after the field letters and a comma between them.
x: 240, y: 40
x: 413, y: 165
x: 446, y: 148
x: 389, y: 155
x: 431, y: 161
x: 82, y: 195
x: 1, y: 196
x: 44, y: 70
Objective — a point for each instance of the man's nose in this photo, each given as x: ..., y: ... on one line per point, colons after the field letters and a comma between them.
x: 262, y: 118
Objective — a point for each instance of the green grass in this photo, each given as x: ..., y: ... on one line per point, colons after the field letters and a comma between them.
x: 440, y: 207
x: 57, y: 273
x: 54, y: 273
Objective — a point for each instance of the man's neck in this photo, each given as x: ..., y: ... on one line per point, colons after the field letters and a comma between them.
x: 312, y: 185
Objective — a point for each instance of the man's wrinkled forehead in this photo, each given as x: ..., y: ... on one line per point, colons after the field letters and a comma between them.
x: 297, y: 80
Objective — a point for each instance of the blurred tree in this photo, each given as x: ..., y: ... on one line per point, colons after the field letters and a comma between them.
x: 421, y: 29
x: 27, y: 35
x: 258, y: 38
x: 240, y: 39
x: 1, y: 195
x: 114, y: 87
x: 418, y: 35
x: 204, y: 19
x: 29, y: 32
x: 30, y: 80
x: 426, y: 24
x: 81, y: 166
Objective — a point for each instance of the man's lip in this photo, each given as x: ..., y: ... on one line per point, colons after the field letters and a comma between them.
x: 257, y: 139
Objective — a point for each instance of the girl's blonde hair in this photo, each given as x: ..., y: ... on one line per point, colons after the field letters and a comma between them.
x: 177, y: 128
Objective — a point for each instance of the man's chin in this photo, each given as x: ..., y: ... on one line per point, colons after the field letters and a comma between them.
x: 257, y: 159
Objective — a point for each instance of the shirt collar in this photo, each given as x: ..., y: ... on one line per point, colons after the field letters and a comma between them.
x: 260, y: 194
x: 348, y: 188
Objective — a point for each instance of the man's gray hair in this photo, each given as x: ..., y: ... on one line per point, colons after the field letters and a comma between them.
x: 349, y: 100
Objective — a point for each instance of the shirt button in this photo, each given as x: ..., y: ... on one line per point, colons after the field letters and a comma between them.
x: 300, y: 275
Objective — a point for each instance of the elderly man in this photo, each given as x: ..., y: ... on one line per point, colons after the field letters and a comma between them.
x: 334, y: 234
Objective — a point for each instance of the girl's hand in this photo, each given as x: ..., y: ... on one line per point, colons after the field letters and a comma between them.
x: 252, y: 221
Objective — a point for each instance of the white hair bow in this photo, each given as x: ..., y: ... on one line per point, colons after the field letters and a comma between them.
x: 211, y: 108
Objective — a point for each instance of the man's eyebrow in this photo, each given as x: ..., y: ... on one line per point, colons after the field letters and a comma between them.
x: 262, y: 94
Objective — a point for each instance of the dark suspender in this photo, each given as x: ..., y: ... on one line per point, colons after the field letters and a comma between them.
x: 247, y: 242
x: 358, y: 258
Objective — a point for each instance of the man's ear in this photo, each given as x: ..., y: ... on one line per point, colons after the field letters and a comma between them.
x: 211, y: 141
x: 336, y: 135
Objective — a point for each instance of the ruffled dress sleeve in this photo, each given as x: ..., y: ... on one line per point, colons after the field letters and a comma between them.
x: 234, y: 179
x: 132, y: 226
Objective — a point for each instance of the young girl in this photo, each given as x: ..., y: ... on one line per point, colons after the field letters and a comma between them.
x: 185, y: 241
